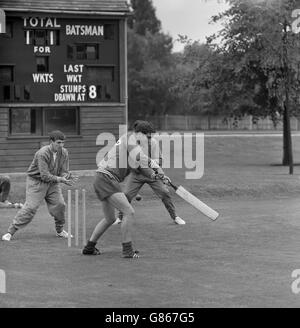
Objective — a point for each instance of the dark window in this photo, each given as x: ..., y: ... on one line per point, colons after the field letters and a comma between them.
x: 83, y: 51
x: 109, y: 31
x: 17, y: 92
x: 70, y: 52
x: 25, y: 121
x: 92, y: 51
x: 40, y: 121
x: 6, y: 82
x: 6, y: 74
x: 7, y: 92
x: 42, y: 64
x: 40, y: 37
x: 64, y: 119
x: 80, y: 51
x: 104, y: 80
x: 27, y: 92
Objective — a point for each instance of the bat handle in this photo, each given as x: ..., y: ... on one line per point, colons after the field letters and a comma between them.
x: 172, y: 185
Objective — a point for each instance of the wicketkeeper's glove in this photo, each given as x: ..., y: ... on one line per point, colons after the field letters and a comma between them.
x: 71, y: 179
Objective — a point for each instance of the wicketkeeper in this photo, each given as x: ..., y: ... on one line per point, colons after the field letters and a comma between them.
x: 49, y: 168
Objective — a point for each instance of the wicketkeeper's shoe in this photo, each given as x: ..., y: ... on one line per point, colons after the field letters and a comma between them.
x: 90, y: 251
x: 178, y: 220
x: 6, y: 237
x: 63, y: 234
x: 6, y: 204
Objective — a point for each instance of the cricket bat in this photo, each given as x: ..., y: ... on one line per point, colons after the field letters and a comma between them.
x: 194, y: 201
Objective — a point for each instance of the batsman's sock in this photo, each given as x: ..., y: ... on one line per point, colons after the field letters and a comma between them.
x: 91, y: 244
x: 128, y: 251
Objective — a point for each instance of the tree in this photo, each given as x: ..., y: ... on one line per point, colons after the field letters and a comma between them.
x: 150, y: 63
x: 190, y: 66
x: 150, y: 73
x: 257, y: 39
x: 144, y: 17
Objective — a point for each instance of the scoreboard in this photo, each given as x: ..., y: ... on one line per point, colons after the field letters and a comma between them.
x: 60, y: 60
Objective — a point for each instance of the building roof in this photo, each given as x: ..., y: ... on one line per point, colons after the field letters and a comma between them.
x: 66, y: 6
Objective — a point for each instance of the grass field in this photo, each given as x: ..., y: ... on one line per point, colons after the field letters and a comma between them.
x: 244, y: 259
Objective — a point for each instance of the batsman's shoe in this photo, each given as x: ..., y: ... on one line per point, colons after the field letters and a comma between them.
x: 90, y: 251
x: 20, y: 205
x: 7, y: 237
x: 118, y: 221
x: 63, y: 234
x: 178, y: 220
x: 131, y: 255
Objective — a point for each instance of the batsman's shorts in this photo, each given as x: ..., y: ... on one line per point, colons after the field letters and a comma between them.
x: 105, y: 186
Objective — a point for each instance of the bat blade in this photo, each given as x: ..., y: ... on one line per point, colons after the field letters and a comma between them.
x: 197, y: 203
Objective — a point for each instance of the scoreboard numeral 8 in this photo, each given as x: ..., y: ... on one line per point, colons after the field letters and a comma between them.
x: 92, y: 92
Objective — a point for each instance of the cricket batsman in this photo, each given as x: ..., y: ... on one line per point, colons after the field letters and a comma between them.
x: 123, y: 157
x: 136, y: 180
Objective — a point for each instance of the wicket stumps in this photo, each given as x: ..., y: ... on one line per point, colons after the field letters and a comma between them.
x: 76, y: 217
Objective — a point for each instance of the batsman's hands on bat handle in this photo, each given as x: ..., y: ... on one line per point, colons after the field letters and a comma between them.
x: 158, y: 170
x: 158, y: 176
x: 166, y: 180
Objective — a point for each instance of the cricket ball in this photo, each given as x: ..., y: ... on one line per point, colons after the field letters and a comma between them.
x: 138, y: 197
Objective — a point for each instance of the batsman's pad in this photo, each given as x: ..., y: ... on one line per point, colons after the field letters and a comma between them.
x: 197, y: 203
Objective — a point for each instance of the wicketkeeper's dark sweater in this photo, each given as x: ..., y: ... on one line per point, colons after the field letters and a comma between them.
x: 44, y: 168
